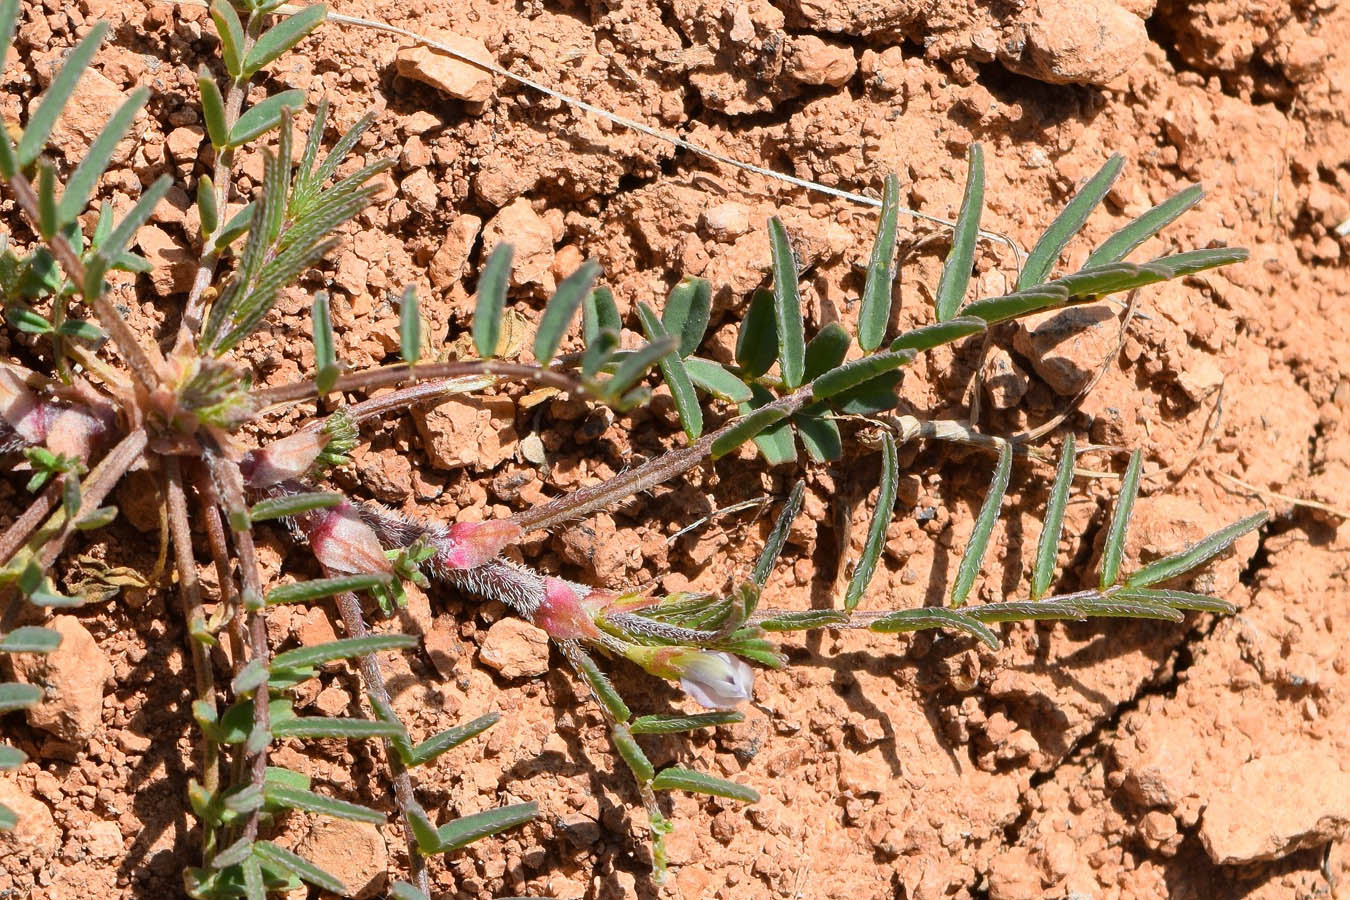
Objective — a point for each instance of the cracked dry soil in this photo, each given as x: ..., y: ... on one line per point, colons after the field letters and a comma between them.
x: 1116, y: 760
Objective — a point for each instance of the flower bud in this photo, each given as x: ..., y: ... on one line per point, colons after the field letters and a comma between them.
x: 342, y: 542
x: 20, y: 409
x: 563, y: 612
x: 467, y: 545
x: 717, y: 680
x: 289, y: 458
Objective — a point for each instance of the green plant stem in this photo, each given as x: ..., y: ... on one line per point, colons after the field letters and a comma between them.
x: 146, y: 362
x: 190, y: 596
x: 385, y: 376
x: 658, y: 470
x: 349, y: 608
x: 220, y: 181
x: 235, y: 508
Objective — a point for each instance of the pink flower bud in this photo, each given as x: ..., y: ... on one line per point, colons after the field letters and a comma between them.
x: 467, y: 545
x: 289, y: 458
x: 717, y: 680
x: 342, y: 542
x: 563, y: 614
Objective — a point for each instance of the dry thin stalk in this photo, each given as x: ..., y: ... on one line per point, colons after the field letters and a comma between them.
x: 19, y: 530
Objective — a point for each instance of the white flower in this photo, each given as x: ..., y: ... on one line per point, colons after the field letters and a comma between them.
x: 716, y: 680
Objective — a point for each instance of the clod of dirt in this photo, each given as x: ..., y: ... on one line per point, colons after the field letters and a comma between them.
x: 476, y: 432
x: 102, y: 840
x: 1090, y: 42
x: 812, y: 60
x: 35, y: 837
x: 1278, y: 804
x: 447, y: 74
x: 172, y: 266
x: 72, y: 681
x: 515, y: 648
x: 353, y: 852
x: 1066, y: 348
x: 1004, y: 381
x: 530, y: 236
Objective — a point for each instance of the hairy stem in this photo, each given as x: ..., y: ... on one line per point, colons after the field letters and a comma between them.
x: 220, y: 555
x: 190, y: 596
x: 383, y: 377
x: 656, y: 471
x: 349, y: 607
x: 230, y: 484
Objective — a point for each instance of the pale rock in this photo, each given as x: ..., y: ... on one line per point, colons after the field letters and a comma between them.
x: 1005, y: 384
x: 861, y: 774
x: 447, y: 265
x: 185, y: 144
x: 103, y: 840
x: 726, y: 221
x: 443, y: 648
x: 35, y: 837
x: 531, y: 239
x: 419, y: 189
x: 1067, y: 347
x: 1087, y: 42
x: 474, y: 432
x: 72, y: 678
x: 332, y: 701
x: 515, y: 648
x: 1276, y: 805
x: 352, y: 852
x: 813, y: 60
x: 445, y: 73
x: 172, y: 267
x: 94, y: 99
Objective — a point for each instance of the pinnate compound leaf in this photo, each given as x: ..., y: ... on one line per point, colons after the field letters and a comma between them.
x: 561, y: 308
x: 451, y: 738
x: 110, y: 250
x: 757, y: 339
x: 746, y: 428
x: 1047, y: 547
x: 874, y: 313
x: 599, y: 313
x: 677, y: 779
x: 292, y: 798
x: 599, y: 351
x: 17, y: 696
x: 1068, y: 223
x: 778, y: 537
x: 1195, y: 555
x: 632, y: 754
x: 264, y: 116
x: 676, y: 375
x: 826, y: 350
x: 927, y: 337
x: 875, y: 541
x: 40, y: 123
x: 924, y: 618
x: 787, y: 306
x: 675, y: 724
x: 318, y: 588
x: 805, y: 619
x: 467, y: 829
x: 344, y: 648
x: 859, y: 371
x: 325, y: 727
x: 819, y: 435
x: 635, y: 364
x: 1120, y: 244
x: 213, y: 108
x: 1114, y: 550
x: 30, y: 639
x: 955, y: 280
x: 686, y: 313
x: 293, y: 505
x: 283, y: 36
x: 716, y: 379
x: 1176, y: 599
x: 410, y: 326
x: 978, y: 544
x: 492, y: 301
x: 325, y: 344
x: 231, y: 32
x: 297, y: 865
x: 1021, y: 303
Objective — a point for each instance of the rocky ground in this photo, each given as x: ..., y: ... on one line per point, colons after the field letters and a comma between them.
x: 1207, y: 760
